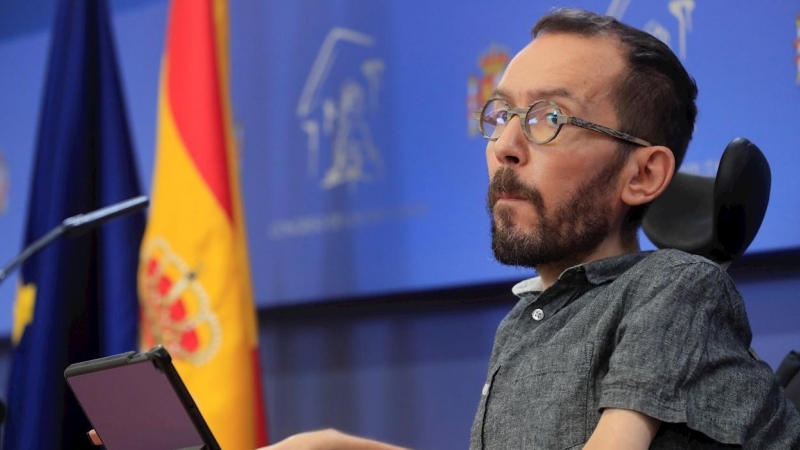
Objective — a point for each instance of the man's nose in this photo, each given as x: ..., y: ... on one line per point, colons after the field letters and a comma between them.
x: 511, y: 148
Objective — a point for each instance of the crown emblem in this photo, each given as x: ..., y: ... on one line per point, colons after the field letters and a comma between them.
x: 494, y: 60
x: 492, y: 63
x: 797, y: 50
x: 175, y: 308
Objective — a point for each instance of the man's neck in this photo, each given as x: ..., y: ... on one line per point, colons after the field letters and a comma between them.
x: 609, y: 248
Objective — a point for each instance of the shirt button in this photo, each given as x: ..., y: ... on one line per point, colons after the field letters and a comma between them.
x: 537, y: 315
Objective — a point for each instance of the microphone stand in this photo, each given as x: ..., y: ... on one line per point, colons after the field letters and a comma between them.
x: 75, y: 226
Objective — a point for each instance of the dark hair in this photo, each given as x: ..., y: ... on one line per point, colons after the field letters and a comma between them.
x: 654, y: 99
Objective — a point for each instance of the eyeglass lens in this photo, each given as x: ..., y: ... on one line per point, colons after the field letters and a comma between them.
x: 540, y: 120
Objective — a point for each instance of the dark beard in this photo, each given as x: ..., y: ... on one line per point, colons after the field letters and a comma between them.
x: 573, y: 230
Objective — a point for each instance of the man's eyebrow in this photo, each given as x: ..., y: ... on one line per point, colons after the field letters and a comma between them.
x: 540, y: 94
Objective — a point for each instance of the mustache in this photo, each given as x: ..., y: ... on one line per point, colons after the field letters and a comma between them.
x: 506, y: 181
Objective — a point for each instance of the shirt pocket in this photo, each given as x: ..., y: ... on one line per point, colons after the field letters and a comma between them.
x: 539, y: 399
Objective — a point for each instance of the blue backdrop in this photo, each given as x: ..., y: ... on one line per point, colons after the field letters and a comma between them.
x: 362, y: 174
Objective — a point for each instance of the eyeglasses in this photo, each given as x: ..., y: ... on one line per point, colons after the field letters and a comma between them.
x: 541, y: 122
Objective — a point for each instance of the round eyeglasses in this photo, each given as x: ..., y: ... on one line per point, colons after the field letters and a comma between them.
x: 541, y: 122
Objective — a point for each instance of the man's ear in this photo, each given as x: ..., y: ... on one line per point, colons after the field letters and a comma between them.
x: 649, y: 172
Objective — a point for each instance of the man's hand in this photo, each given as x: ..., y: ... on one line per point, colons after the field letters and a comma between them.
x: 329, y: 440
x: 94, y: 437
x: 623, y: 429
x: 312, y: 440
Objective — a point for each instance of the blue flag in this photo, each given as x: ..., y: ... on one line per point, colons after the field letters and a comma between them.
x: 77, y: 298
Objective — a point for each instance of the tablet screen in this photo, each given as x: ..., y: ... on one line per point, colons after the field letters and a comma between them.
x: 134, y: 406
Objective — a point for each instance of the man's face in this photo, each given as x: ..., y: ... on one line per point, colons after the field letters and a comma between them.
x: 557, y: 202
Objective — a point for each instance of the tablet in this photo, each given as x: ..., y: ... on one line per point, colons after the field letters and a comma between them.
x: 137, y: 401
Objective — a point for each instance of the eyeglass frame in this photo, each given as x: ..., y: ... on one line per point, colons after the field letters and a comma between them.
x: 561, y: 120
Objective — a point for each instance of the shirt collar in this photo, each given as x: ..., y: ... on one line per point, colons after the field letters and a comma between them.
x: 529, y: 286
x: 595, y: 272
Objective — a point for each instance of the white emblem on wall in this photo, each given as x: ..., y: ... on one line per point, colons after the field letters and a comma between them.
x: 617, y: 8
x: 655, y: 28
x: 337, y: 121
x: 680, y: 9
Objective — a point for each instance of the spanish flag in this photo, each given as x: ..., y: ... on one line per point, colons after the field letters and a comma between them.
x: 194, y: 280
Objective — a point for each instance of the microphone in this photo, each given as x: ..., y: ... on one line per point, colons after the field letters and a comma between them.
x: 75, y: 226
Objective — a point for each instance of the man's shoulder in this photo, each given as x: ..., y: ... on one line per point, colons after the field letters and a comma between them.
x: 674, y: 262
x: 675, y: 272
x: 670, y: 257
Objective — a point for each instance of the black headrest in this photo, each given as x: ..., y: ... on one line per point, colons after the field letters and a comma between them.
x: 714, y: 217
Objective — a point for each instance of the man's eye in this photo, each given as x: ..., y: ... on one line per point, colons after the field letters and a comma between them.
x: 498, y: 117
x: 542, y: 116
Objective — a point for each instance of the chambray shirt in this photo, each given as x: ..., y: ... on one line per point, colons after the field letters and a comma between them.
x: 663, y: 333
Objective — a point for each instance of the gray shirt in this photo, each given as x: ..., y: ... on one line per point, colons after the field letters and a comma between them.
x: 662, y: 333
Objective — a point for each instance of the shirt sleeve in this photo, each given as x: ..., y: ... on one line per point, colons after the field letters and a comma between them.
x: 681, y: 356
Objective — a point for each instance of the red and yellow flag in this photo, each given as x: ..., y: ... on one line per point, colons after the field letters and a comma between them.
x: 194, y: 279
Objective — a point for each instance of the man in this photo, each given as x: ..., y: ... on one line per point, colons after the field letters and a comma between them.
x: 609, y: 347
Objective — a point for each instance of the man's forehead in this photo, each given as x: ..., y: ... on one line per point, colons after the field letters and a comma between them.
x: 555, y: 93
x: 564, y: 67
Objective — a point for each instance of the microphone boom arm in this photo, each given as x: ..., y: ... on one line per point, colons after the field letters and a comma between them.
x: 75, y: 226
